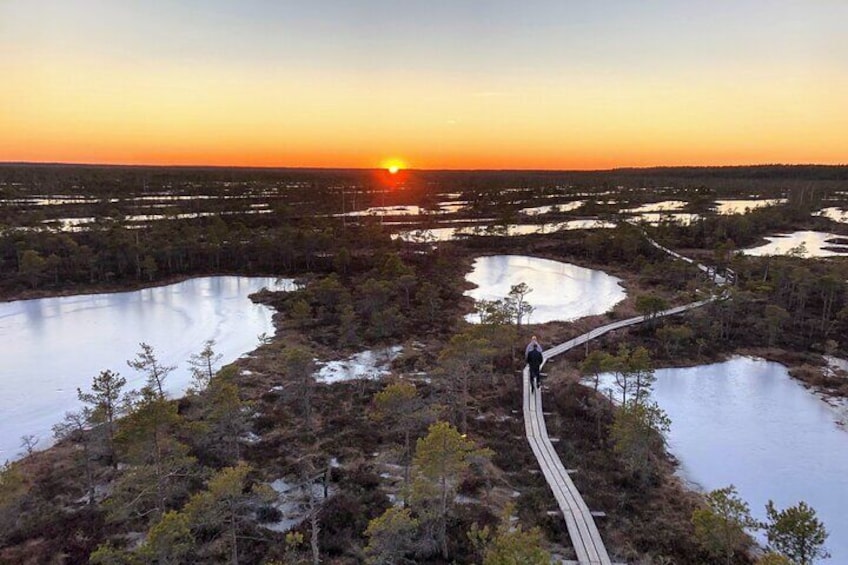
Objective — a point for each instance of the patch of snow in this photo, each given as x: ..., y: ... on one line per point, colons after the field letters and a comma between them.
x: 101, y: 491
x: 250, y: 438
x: 839, y: 407
x: 369, y: 364
x: 835, y: 365
x: 293, y: 502
x: 280, y: 486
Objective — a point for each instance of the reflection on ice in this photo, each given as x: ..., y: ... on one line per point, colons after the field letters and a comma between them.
x: 813, y: 243
x: 447, y: 234
x: 389, y: 211
x: 836, y: 214
x: 86, y: 223
x: 453, y: 206
x: 655, y: 218
x: 747, y: 422
x: 555, y: 208
x: 664, y: 206
x: 51, y: 346
x: 561, y: 291
x: 726, y: 207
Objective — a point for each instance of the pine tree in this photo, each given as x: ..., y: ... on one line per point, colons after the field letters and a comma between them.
x: 442, y: 458
x: 203, y: 365
x: 390, y: 537
x: 720, y: 525
x: 147, y: 364
x: 796, y: 532
x: 400, y: 406
x: 104, y: 400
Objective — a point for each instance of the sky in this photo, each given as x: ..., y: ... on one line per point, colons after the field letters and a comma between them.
x: 458, y: 84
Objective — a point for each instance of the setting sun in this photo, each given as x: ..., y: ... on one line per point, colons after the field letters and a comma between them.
x: 393, y: 166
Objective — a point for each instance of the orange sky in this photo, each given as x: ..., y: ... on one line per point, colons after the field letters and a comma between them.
x: 75, y: 92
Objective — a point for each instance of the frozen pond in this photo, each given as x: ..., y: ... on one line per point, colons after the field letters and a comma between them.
x: 727, y: 207
x: 656, y: 218
x: 836, y: 214
x: 51, y: 346
x: 747, y: 422
x: 813, y: 242
x: 451, y: 233
x: 564, y: 207
x: 561, y: 291
x: 664, y: 206
x: 402, y: 210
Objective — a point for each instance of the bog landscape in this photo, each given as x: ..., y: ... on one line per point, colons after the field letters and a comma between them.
x: 445, y: 282
x: 269, y: 365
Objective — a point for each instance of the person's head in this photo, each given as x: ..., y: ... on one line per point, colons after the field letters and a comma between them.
x: 533, y: 339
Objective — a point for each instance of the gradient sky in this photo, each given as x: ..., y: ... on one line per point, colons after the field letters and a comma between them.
x: 554, y: 84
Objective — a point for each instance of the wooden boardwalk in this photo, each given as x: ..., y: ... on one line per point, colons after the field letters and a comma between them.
x: 582, y: 530
x: 581, y: 525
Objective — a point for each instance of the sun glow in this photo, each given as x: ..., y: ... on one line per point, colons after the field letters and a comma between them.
x: 393, y: 166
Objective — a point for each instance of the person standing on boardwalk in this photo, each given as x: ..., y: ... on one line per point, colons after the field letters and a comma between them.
x: 533, y: 354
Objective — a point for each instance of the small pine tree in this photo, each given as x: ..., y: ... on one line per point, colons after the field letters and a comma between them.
x: 146, y: 363
x: 510, y: 545
x: 169, y: 540
x: 202, y: 365
x: 390, y: 537
x: 796, y: 532
x: 442, y: 458
x: 104, y: 400
x: 720, y: 525
x: 400, y: 406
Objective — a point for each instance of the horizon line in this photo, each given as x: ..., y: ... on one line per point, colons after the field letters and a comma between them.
x: 378, y: 168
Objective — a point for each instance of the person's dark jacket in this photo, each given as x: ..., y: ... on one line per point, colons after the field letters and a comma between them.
x: 534, y: 359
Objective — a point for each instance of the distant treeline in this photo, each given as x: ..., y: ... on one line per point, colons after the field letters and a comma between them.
x: 138, y: 178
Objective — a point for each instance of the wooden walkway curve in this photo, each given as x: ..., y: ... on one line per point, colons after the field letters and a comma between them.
x: 582, y: 530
